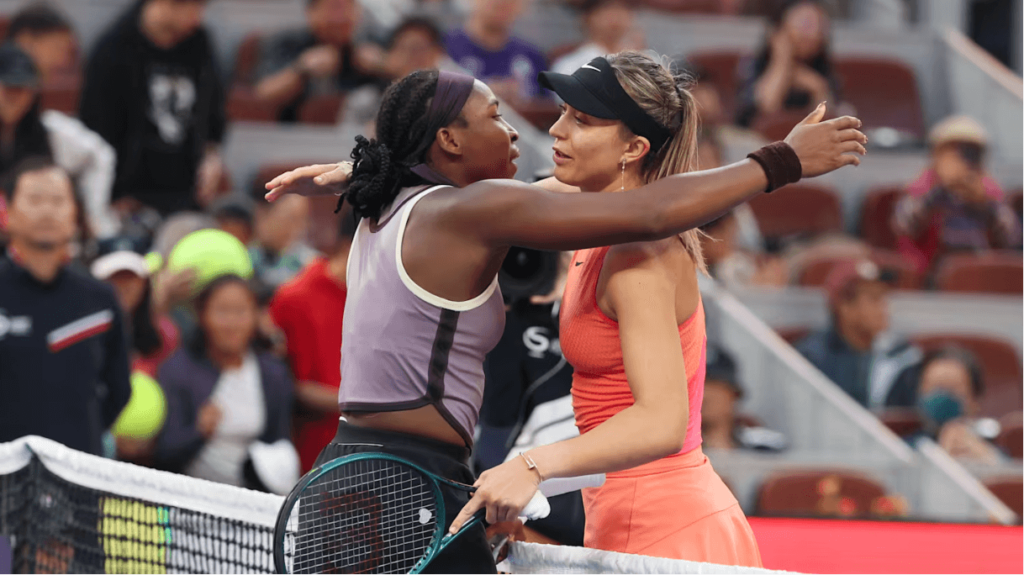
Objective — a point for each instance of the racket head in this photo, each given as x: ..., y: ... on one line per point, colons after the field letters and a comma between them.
x: 362, y: 513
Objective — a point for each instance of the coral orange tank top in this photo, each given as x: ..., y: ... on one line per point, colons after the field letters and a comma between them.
x: 590, y: 342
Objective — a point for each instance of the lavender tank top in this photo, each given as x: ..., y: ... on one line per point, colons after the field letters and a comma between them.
x: 403, y: 347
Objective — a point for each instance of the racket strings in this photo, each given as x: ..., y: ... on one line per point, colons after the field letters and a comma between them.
x: 367, y: 516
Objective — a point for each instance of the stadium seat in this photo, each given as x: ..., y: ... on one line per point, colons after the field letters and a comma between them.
x: 243, y: 105
x: 1011, y: 435
x: 876, y: 217
x: 720, y: 70
x: 819, y: 493
x: 993, y: 272
x: 323, y: 109
x: 61, y: 96
x: 814, y: 273
x: 1010, y: 491
x: 246, y: 59
x: 797, y: 209
x: 793, y: 334
x: 1000, y: 364
x: 776, y: 127
x: 902, y: 421
x: 884, y: 93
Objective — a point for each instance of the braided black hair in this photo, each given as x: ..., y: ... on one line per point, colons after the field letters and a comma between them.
x: 381, y: 165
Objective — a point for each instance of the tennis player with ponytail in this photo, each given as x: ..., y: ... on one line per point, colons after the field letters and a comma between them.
x: 424, y: 308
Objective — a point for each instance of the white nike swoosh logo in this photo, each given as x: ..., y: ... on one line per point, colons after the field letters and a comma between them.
x: 589, y: 67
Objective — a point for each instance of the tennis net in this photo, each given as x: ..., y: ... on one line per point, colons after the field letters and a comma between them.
x: 69, y: 512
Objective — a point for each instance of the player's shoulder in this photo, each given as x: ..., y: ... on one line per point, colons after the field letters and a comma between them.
x: 664, y: 255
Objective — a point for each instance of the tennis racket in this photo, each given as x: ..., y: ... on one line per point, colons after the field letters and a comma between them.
x: 369, y: 513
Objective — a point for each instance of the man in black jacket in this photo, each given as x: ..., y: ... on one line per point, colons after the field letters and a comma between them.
x: 152, y: 90
x: 63, y: 353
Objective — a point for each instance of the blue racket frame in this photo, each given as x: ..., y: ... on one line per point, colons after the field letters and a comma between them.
x: 439, y: 542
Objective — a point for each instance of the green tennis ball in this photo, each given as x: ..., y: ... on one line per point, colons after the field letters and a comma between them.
x: 154, y: 261
x: 144, y: 415
x: 211, y: 253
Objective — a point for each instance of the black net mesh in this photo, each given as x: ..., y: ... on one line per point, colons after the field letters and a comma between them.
x: 56, y: 526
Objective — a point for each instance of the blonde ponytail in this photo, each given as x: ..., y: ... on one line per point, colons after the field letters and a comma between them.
x: 665, y: 96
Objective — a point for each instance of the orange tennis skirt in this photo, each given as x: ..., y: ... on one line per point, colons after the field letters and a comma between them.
x: 676, y: 507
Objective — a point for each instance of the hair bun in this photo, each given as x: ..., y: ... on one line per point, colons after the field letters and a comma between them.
x: 374, y: 177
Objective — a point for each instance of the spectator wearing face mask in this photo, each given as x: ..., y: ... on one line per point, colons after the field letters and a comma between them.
x: 954, y: 205
x: 855, y: 351
x: 945, y: 388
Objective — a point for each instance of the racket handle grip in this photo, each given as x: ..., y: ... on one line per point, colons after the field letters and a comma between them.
x: 537, y: 508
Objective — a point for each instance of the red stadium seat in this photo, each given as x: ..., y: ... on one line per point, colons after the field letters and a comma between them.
x: 1011, y: 434
x: 884, y: 93
x: 324, y: 109
x: 777, y: 126
x: 246, y: 59
x: 1000, y: 364
x: 797, y: 209
x: 720, y: 70
x: 61, y: 96
x: 1010, y: 491
x: 819, y: 493
x: 902, y: 421
x: 243, y: 105
x: 815, y: 272
x: 993, y: 272
x: 793, y: 334
x: 876, y: 217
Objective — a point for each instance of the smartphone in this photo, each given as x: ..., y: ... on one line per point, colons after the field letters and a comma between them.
x: 973, y: 154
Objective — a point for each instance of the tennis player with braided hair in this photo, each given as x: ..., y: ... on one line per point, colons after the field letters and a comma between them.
x: 423, y: 304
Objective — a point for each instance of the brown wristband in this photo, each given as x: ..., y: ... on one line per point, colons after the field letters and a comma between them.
x: 780, y: 164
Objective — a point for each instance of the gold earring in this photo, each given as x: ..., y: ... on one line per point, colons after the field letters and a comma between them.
x: 622, y: 184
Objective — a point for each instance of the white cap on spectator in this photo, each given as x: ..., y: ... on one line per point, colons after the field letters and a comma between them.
x: 958, y: 129
x: 110, y: 264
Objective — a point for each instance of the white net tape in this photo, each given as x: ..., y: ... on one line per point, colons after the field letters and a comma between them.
x: 537, y: 558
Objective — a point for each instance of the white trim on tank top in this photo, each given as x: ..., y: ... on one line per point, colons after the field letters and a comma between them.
x: 418, y: 291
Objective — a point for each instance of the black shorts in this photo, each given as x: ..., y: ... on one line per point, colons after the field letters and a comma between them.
x: 470, y: 552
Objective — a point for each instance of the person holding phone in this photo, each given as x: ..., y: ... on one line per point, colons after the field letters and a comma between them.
x: 955, y: 205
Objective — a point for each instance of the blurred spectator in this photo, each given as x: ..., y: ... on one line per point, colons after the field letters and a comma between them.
x: 234, y: 215
x: 310, y: 310
x: 153, y: 91
x: 720, y: 427
x: 731, y: 7
x: 62, y: 334
x: 954, y: 205
x: 152, y: 336
x: 608, y: 25
x: 48, y: 38
x: 322, y: 58
x: 854, y: 350
x: 489, y: 51
x: 223, y: 395
x: 733, y: 265
x: 945, y: 388
x: 280, y: 250
x: 793, y: 70
x: 415, y: 44
x: 26, y: 131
